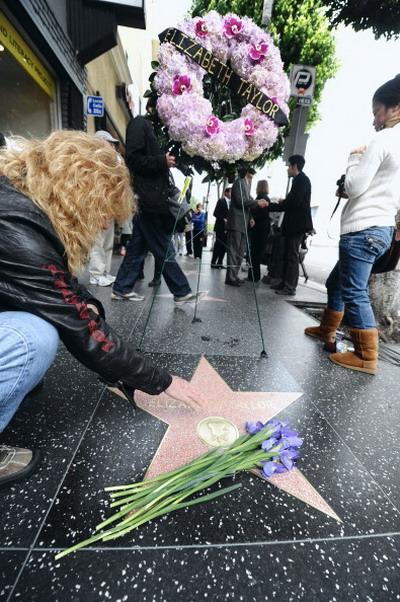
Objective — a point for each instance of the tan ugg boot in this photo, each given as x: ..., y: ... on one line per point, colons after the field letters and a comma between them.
x: 365, y: 356
x: 326, y: 331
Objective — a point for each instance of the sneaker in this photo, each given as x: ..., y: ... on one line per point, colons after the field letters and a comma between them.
x: 110, y: 278
x: 126, y: 296
x: 190, y: 298
x: 101, y: 280
x: 16, y: 463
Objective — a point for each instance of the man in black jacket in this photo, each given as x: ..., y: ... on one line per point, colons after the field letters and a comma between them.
x: 221, y: 219
x: 296, y: 222
x: 153, y: 227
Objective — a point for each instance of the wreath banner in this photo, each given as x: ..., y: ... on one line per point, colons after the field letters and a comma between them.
x: 224, y: 74
x: 220, y: 88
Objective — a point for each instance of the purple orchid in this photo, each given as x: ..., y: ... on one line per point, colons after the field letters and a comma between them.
x: 181, y: 84
x: 249, y: 128
x: 201, y: 28
x: 258, y: 51
x: 232, y: 27
x: 213, y: 125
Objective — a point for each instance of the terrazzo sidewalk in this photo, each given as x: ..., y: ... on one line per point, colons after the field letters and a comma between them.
x: 258, y: 543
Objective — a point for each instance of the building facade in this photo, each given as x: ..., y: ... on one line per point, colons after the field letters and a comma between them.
x: 55, y: 52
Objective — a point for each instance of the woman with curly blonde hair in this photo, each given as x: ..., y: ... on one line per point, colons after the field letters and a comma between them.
x: 56, y: 194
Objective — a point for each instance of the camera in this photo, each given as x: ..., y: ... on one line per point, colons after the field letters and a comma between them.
x: 340, y: 184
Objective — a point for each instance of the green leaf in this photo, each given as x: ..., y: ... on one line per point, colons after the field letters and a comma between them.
x: 148, y: 93
x: 155, y: 65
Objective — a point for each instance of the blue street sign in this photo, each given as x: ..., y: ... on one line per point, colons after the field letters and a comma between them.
x: 94, y: 106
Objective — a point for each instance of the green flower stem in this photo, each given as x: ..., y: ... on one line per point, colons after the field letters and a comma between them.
x: 132, y: 522
x: 166, y: 475
x: 173, y: 508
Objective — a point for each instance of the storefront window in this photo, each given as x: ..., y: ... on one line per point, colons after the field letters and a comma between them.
x: 25, y: 109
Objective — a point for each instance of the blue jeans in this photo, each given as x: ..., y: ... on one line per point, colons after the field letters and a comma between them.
x: 28, y: 346
x: 347, y: 284
x: 150, y: 234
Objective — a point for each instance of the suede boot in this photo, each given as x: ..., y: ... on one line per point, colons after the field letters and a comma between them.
x: 365, y: 356
x: 326, y: 331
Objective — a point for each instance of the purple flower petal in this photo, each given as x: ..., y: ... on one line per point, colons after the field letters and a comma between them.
x: 286, y: 459
x: 269, y: 468
x: 254, y: 427
x: 268, y: 444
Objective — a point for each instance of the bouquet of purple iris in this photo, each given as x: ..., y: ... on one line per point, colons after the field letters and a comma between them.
x: 270, y: 448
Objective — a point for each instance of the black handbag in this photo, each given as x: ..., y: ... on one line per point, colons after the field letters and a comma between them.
x: 389, y: 260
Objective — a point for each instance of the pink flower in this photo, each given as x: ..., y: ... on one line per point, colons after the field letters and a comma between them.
x: 181, y: 84
x: 274, y: 100
x: 232, y: 27
x: 258, y: 51
x: 201, y: 28
x: 249, y: 128
x: 213, y: 125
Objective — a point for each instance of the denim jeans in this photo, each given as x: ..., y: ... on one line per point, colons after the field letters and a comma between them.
x: 28, y: 346
x: 347, y: 284
x: 151, y: 234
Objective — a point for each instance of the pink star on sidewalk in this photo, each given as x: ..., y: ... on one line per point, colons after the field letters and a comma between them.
x: 181, y: 442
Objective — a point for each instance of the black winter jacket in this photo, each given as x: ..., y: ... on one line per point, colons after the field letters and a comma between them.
x: 148, y: 166
x: 297, y: 219
x: 34, y: 277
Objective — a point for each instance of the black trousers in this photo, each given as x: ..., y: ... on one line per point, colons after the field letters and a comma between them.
x: 290, y: 263
x: 188, y: 240
x: 219, y: 247
x: 258, y: 241
x: 198, y: 240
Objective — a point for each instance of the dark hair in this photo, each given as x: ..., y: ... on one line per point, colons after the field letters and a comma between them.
x: 243, y: 171
x: 227, y: 189
x: 297, y: 160
x: 262, y: 187
x: 389, y: 93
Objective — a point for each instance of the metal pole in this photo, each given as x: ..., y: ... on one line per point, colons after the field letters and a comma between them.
x: 263, y: 351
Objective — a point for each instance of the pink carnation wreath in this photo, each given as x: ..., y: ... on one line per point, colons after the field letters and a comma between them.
x: 189, y: 116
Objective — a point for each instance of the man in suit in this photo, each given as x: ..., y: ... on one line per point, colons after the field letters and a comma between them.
x: 296, y: 222
x: 221, y: 219
x: 238, y: 219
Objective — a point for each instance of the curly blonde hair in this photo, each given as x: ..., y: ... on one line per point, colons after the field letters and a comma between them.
x: 78, y: 180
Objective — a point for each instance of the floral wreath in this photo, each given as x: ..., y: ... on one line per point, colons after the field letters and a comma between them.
x: 189, y: 115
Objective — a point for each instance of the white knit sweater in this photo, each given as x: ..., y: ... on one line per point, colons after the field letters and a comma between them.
x: 373, y: 184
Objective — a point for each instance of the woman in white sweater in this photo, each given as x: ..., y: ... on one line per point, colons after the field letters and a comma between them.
x: 367, y: 226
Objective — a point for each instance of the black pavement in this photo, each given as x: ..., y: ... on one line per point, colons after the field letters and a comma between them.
x: 263, y: 544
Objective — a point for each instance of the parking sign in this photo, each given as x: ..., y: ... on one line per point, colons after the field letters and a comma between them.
x: 302, y: 83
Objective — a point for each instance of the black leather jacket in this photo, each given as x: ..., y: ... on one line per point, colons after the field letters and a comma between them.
x: 34, y: 277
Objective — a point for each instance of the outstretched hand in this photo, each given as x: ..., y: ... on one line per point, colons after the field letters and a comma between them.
x: 184, y: 391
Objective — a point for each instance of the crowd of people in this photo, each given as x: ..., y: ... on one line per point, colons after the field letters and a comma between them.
x: 59, y: 199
